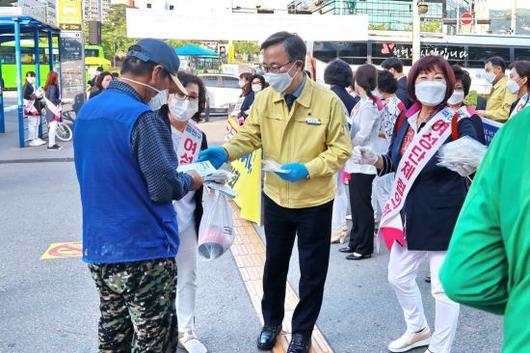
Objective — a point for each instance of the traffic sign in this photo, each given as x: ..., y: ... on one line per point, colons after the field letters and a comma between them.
x: 466, y: 18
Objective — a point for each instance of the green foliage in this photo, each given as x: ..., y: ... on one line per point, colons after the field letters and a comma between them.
x: 431, y: 27
x: 6, y: 2
x: 114, y: 32
x: 246, y: 47
x: 471, y: 99
x: 379, y: 27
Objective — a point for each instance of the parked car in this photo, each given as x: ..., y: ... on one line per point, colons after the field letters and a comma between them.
x: 222, y: 93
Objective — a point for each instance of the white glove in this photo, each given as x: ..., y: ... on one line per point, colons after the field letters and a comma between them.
x: 364, y: 155
x: 464, y: 170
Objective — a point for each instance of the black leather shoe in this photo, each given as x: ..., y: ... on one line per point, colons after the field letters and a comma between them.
x: 267, y: 337
x: 347, y: 250
x: 357, y: 256
x: 299, y: 344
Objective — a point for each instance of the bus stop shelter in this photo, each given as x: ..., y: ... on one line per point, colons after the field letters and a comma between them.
x: 14, y: 29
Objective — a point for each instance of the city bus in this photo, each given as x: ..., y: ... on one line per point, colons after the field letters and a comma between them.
x: 93, y: 58
x: 468, y: 51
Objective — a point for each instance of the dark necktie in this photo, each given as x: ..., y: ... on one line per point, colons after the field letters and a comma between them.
x: 289, y: 99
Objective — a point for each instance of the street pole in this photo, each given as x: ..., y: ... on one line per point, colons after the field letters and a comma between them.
x: 415, y: 31
x: 514, y: 17
x: 457, y: 17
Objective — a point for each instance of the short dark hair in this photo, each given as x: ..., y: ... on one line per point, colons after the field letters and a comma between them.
x: 392, y: 63
x: 261, y: 79
x: 294, y: 45
x: 523, y: 70
x: 462, y: 75
x: 186, y: 79
x: 366, y: 77
x: 497, y: 61
x: 386, y: 82
x: 427, y: 63
x: 30, y: 74
x: 115, y: 75
x: 338, y: 72
x: 137, y: 67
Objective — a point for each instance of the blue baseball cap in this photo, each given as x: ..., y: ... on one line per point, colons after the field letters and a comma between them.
x: 159, y: 52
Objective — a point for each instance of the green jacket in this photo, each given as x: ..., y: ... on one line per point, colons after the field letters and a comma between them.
x: 488, y: 261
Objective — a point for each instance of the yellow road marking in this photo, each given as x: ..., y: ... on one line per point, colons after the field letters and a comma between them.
x: 63, y: 250
x: 249, y: 253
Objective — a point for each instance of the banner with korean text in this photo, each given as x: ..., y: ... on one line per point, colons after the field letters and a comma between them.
x: 246, y: 180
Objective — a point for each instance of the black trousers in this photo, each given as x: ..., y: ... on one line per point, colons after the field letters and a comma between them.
x: 313, y: 227
x: 362, y: 232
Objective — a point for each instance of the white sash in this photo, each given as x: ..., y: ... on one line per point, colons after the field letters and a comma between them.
x: 523, y: 102
x: 52, y: 107
x: 421, y: 149
x: 190, y: 145
x: 29, y: 107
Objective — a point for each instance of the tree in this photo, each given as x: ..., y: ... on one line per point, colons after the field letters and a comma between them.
x: 246, y: 47
x: 114, y: 32
x: 7, y: 2
x: 431, y: 27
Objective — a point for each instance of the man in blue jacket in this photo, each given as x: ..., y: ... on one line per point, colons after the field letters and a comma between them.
x: 126, y: 167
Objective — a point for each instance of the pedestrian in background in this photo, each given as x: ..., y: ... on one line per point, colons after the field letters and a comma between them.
x: 519, y: 84
x: 395, y: 67
x: 456, y: 101
x: 426, y: 198
x: 53, y: 108
x: 500, y: 98
x: 300, y: 125
x: 183, y: 111
x: 102, y: 83
x: 364, y: 132
x: 126, y: 168
x: 339, y: 75
x: 487, y: 263
x: 32, y: 109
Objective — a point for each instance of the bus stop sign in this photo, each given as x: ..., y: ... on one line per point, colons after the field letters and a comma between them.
x: 466, y: 18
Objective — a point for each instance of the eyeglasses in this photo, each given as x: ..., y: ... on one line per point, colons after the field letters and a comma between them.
x: 183, y: 97
x: 274, y: 68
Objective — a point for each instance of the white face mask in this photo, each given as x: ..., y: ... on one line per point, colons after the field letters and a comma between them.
x: 30, y: 79
x: 280, y: 81
x: 513, y: 86
x: 158, y: 100
x: 241, y: 84
x: 183, y: 110
x: 430, y: 93
x: 490, y: 76
x: 457, y: 97
x: 256, y: 87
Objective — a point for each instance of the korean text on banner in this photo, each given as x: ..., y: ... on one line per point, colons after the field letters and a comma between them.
x: 246, y: 180
x: 490, y: 129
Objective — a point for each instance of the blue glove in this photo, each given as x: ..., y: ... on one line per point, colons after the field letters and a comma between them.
x: 297, y: 171
x: 216, y: 155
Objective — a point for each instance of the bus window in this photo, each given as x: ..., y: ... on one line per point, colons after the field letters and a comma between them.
x: 521, y: 54
x: 453, y: 54
x: 478, y: 55
x: 26, y: 55
x: 325, y: 51
x: 7, y: 54
x: 92, y: 53
x: 353, y: 53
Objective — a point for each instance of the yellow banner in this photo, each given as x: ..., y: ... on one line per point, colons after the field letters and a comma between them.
x: 69, y: 12
x: 247, y: 179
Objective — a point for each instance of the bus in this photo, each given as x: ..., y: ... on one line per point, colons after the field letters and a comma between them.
x: 468, y: 51
x: 93, y: 58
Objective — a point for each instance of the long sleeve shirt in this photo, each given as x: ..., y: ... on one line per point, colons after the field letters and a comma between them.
x: 487, y: 263
x: 499, y: 101
x: 153, y: 148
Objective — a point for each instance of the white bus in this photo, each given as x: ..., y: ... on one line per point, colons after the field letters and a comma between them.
x: 468, y: 51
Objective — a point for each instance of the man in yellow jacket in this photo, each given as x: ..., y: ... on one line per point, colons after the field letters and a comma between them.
x: 500, y: 99
x: 300, y: 125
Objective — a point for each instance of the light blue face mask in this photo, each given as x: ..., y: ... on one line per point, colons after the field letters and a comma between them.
x: 158, y: 100
x: 281, y: 80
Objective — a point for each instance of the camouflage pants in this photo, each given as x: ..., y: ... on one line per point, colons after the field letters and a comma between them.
x: 137, y: 304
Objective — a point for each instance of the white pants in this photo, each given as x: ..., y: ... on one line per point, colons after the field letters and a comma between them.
x: 381, y: 189
x: 51, y: 133
x: 33, y: 127
x: 402, y: 271
x: 187, y: 279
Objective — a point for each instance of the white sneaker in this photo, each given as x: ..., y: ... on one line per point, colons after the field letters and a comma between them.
x: 411, y: 340
x: 191, y: 344
x: 33, y: 143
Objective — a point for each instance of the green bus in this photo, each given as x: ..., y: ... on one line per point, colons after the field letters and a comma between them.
x: 93, y: 57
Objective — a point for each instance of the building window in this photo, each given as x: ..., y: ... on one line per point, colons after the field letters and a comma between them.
x: 171, y: 7
x: 148, y: 5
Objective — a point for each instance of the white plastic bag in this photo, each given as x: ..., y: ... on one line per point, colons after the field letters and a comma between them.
x: 339, y: 228
x: 216, y: 231
x: 464, y: 153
